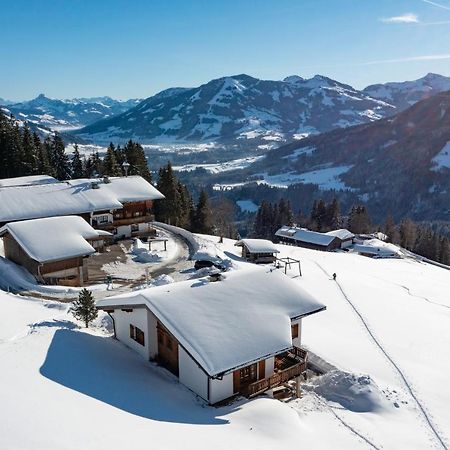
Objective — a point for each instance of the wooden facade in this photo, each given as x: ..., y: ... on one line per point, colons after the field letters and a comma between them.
x: 67, y: 272
x: 333, y: 245
x: 258, y: 258
x: 167, y: 349
x: 251, y: 380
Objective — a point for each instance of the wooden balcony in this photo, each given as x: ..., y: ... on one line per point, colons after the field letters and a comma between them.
x: 289, y: 366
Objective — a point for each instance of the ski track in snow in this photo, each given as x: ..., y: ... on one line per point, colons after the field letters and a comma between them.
x: 391, y: 361
x: 344, y: 423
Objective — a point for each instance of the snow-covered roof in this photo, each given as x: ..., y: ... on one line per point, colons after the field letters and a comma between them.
x: 72, y: 197
x: 53, y: 238
x: 342, y: 234
x: 258, y: 245
x: 376, y: 247
x: 230, y: 323
x: 304, y: 235
x: 27, y: 181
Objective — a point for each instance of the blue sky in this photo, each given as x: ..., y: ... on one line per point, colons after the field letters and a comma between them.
x: 135, y: 48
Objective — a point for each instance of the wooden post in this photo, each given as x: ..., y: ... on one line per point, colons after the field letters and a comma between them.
x: 165, y: 245
x: 298, y: 390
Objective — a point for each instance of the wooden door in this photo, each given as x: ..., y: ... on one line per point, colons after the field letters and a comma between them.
x: 167, y: 350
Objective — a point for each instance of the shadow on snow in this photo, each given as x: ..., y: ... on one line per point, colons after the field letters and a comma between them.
x: 104, y: 369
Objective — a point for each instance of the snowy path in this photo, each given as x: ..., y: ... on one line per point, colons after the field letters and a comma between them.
x: 377, y: 342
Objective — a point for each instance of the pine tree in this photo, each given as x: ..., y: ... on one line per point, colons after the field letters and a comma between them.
x: 135, y: 156
x: 42, y: 161
x: 58, y: 158
x: 110, y: 165
x: 84, y: 308
x: 28, y: 153
x: 203, y: 217
x: 332, y: 216
x: 359, y: 220
x: 76, y: 163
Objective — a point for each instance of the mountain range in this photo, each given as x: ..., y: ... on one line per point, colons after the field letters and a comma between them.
x: 398, y: 165
x: 66, y: 114
x: 240, y: 109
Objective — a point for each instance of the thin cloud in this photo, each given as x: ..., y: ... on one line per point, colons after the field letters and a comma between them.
x: 438, y: 5
x: 404, y: 18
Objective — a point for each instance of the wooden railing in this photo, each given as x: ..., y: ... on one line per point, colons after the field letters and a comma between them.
x: 299, y: 353
x: 281, y: 376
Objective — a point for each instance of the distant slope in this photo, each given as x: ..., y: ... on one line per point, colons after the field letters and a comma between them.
x: 405, y: 94
x: 242, y: 109
x: 399, y: 165
x: 66, y: 114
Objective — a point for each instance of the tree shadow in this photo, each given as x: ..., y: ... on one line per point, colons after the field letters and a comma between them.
x: 104, y: 369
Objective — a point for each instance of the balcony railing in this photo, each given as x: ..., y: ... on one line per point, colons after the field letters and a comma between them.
x: 281, y: 376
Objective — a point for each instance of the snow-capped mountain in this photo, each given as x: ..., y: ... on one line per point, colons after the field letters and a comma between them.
x: 406, y: 93
x: 398, y: 165
x: 241, y: 109
x: 67, y: 114
x: 4, y: 102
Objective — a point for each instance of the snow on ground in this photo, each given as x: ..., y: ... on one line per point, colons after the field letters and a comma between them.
x: 386, y: 330
x: 57, y: 378
x: 328, y: 178
x: 247, y: 205
x: 233, y: 164
x: 442, y: 159
x: 387, y: 319
x: 87, y: 149
x: 139, y: 258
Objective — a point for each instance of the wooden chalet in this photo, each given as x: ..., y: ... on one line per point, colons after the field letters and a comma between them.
x: 258, y: 251
x: 237, y: 336
x: 54, y: 249
x: 120, y: 205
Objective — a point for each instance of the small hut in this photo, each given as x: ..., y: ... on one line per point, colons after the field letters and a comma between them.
x: 258, y: 251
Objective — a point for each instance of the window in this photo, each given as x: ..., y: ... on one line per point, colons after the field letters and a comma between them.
x: 294, y: 331
x: 134, y: 227
x: 102, y: 219
x: 248, y: 374
x: 137, y: 335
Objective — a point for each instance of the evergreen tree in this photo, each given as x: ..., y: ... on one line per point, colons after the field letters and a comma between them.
x: 42, y: 161
x: 28, y: 153
x: 76, y: 163
x: 110, y: 164
x: 84, y: 308
x: 359, y: 220
x: 332, y: 216
x: 202, y: 217
x: 58, y: 158
x: 135, y: 156
x: 168, y: 209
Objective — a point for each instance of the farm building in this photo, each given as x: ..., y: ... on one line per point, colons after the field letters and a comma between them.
x: 346, y: 237
x: 120, y: 205
x: 239, y: 335
x: 259, y: 251
x: 302, y: 237
x: 53, y: 249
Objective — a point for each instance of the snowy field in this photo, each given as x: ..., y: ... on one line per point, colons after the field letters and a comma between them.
x: 386, y: 331
x: 234, y: 164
